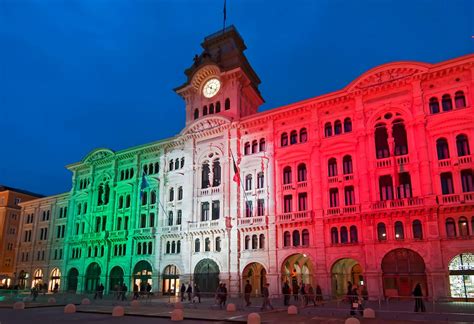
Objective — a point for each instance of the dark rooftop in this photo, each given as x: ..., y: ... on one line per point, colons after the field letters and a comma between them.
x: 5, y: 188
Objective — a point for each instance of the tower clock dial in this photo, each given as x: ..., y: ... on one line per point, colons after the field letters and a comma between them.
x: 211, y: 88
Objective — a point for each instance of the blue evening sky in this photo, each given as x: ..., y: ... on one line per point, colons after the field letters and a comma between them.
x: 77, y: 75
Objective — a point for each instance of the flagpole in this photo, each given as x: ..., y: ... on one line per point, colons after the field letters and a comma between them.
x: 225, y: 16
x: 241, y: 184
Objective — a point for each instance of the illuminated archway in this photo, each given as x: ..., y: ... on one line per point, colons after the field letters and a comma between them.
x: 142, y: 273
x: 92, y: 277
x: 55, y: 280
x: 297, y: 269
x: 344, y: 271
x: 461, y: 276
x: 206, y: 275
x: 37, y: 278
x: 72, y: 279
x: 116, y: 278
x: 170, y: 280
x: 256, y: 274
x: 23, y: 279
x: 402, y: 270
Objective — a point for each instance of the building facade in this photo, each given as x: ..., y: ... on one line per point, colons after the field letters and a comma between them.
x: 371, y: 184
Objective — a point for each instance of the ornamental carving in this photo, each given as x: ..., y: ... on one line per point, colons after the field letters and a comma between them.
x: 98, y: 154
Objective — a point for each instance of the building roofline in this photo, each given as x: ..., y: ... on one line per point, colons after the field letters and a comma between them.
x: 25, y: 192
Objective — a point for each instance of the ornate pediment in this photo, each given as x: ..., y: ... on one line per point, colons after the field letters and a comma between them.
x: 204, y: 125
x: 98, y: 154
x: 387, y: 73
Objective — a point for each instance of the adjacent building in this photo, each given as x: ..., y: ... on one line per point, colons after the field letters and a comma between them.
x: 371, y: 184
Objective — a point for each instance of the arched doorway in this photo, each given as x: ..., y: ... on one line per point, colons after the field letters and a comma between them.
x: 92, y: 278
x: 72, y: 278
x: 55, y: 281
x: 297, y: 269
x: 142, y: 274
x: 37, y: 278
x: 256, y: 274
x: 461, y: 276
x: 344, y: 271
x: 170, y: 280
x: 116, y: 278
x: 23, y: 279
x: 206, y: 275
x: 402, y: 269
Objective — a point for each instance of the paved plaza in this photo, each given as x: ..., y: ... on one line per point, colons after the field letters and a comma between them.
x: 158, y: 310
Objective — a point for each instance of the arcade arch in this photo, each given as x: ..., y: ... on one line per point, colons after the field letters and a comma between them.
x: 170, y: 280
x: 206, y: 275
x: 461, y: 276
x: 256, y: 274
x: 344, y: 271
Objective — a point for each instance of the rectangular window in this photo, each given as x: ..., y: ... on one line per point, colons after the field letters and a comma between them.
x: 142, y: 221
x: 302, y: 201
x: 260, y: 207
x: 104, y: 223
x: 334, y: 197
x: 386, y: 187
x: 248, y: 209
x: 125, y: 223
x: 287, y: 203
x: 215, y: 209
x: 152, y: 219
x: 204, y: 211
x: 447, y: 183
x: 349, y: 198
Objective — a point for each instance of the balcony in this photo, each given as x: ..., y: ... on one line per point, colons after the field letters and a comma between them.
x: 388, y: 162
x: 302, y: 184
x: 205, y: 224
x: 461, y: 161
x: 397, y: 203
x: 209, y: 191
x: 333, y: 179
x: 114, y: 235
x: 288, y: 186
x: 145, y: 232
x: 303, y: 216
x: 171, y: 229
x: 346, y: 210
x: 252, y: 221
x: 95, y: 236
x: 444, y: 163
x: 466, y: 197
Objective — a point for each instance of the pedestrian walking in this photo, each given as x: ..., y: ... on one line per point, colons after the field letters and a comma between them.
x: 182, y: 290
x: 197, y: 293
x: 189, y: 291
x: 319, y: 295
x: 101, y: 291
x: 224, y: 294
x: 356, y: 301
x: 135, y: 292
x: 304, y: 296
x: 311, y: 294
x: 148, y: 290
x: 247, y: 292
x: 349, y: 291
x: 418, y: 294
x: 286, y: 293
x: 124, y: 292
x: 266, y: 297
x: 296, y: 290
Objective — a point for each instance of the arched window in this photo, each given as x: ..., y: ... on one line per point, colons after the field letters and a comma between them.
x: 354, y: 236
x: 349, y: 195
x: 287, y: 239
x: 447, y: 187
x: 178, y: 247
x: 399, y: 233
x: 139, y: 248
x: 400, y: 137
x: 450, y: 228
x: 218, y: 244
x: 347, y: 125
x: 327, y: 130
x: 247, y: 242
x: 417, y: 230
x: 261, y: 146
x: 218, y: 107
x: 381, y: 141
x: 127, y: 202
x: 460, y: 100
x: 284, y: 139
x: 467, y: 181
x: 381, y: 232
x: 293, y: 137
x: 296, y: 238
x: 144, y: 198
x: 261, y: 241
x: 176, y: 164
x: 287, y: 175
x: 404, y: 185
x: 181, y: 164
x: 347, y: 164
x: 197, y: 245
x: 227, y: 104
x: 152, y: 220
x: 153, y: 197
x: 442, y: 148
x: 333, y: 197
x: 170, y: 218
x: 260, y: 180
x: 344, y: 235
x: 171, y: 194
x: 462, y: 145
x: 171, y: 165
x: 173, y: 247
x: 248, y: 182
x: 179, y: 217
x: 446, y: 103
x: 302, y: 172
x: 463, y: 227
x: 386, y: 187
x: 211, y: 109
x: 332, y: 167
x: 204, y: 111
x: 120, y: 202
x: 434, y: 105
x: 196, y: 113
x: 207, y: 244
x: 334, y: 236
x: 216, y: 173
x: 247, y: 148
x: 254, y: 146
x: 305, y: 237
x: 337, y: 127
x: 303, y: 135
x: 205, y: 175
x: 254, y: 242
x: 180, y: 193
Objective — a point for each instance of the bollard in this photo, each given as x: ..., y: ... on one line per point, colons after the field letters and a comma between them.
x: 177, y: 315
x: 178, y: 305
x: 85, y: 301
x: 231, y: 307
x: 352, y: 320
x: 135, y: 303
x: 253, y: 318
x: 69, y: 309
x: 292, y: 310
x: 51, y: 300
x: 19, y: 305
x: 118, y: 311
x: 369, y: 313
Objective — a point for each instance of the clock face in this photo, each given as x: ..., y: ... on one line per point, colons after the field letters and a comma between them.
x: 211, y: 88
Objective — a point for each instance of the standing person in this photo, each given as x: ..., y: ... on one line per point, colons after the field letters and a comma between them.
x: 319, y: 295
x: 135, y: 292
x: 418, y: 293
x: 189, y: 291
x: 148, y: 290
x: 266, y: 297
x: 286, y: 293
x: 311, y: 294
x: 219, y: 295
x: 247, y: 292
x: 197, y: 293
x: 96, y: 291
x: 304, y: 298
x: 101, y: 291
x: 224, y: 294
x: 119, y: 291
x: 296, y: 290
x: 124, y: 292
x: 349, y: 291
x: 356, y: 301
x: 56, y: 288
x: 182, y: 290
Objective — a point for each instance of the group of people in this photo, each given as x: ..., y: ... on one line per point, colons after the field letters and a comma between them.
x: 221, y: 295
x: 304, y: 293
x: 144, y: 290
x: 121, y: 291
x: 265, y: 294
x: 99, y: 291
x: 188, y: 291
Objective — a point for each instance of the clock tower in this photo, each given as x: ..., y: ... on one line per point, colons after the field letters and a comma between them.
x: 221, y: 80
